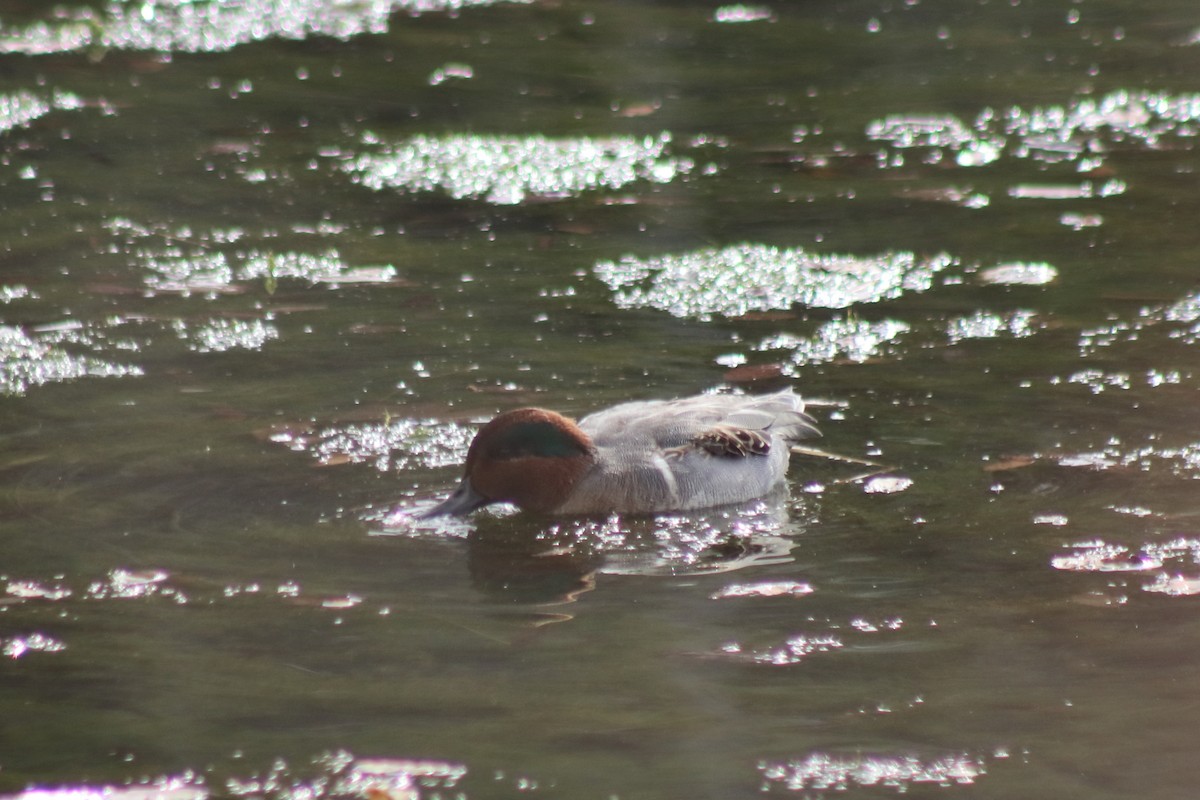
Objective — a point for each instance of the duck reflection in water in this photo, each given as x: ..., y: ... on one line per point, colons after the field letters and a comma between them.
x: 516, y: 559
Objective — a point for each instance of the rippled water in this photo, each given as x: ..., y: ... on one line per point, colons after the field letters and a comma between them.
x: 266, y: 266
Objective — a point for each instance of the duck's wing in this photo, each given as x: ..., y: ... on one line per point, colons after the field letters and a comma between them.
x: 781, y: 414
x: 671, y: 455
x: 720, y: 424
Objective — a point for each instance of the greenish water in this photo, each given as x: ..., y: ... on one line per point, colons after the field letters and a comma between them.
x: 265, y: 266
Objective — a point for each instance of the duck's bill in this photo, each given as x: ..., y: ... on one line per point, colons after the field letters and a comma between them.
x: 462, y: 501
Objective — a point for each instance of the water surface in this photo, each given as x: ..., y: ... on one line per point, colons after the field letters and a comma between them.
x: 266, y: 266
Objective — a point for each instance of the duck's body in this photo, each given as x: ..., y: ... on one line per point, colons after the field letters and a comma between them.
x: 640, y: 457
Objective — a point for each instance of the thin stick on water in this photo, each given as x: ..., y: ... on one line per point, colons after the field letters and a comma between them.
x: 815, y: 453
x: 860, y: 477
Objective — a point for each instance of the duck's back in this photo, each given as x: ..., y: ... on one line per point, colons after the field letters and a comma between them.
x: 668, y: 455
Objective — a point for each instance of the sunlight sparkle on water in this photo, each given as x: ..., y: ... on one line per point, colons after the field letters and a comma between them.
x: 1081, y: 133
x: 15, y: 292
x: 185, y: 787
x: 1099, y: 556
x: 1165, y: 559
x: 340, y: 774
x: 1182, y: 317
x: 744, y: 278
x: 854, y: 340
x: 203, y: 272
x: 1182, y: 460
x: 18, y: 646
x: 19, y: 109
x: 1174, y: 585
x: 985, y: 325
x: 507, y: 169
x: 840, y: 773
x: 28, y: 360
x: 696, y: 544
x: 866, y: 626
x: 973, y: 148
x: 28, y: 590
x: 1099, y: 381
x: 793, y: 651
x: 183, y: 25
x: 126, y: 584
x: 1184, y: 310
x: 396, y: 445
x: 220, y: 335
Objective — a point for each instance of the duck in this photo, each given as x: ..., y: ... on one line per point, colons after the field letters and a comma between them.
x: 639, y: 457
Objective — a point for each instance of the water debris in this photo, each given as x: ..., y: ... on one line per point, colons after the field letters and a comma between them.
x: 1082, y: 132
x: 755, y: 375
x: 214, y: 272
x: 30, y: 358
x: 743, y: 13
x: 966, y: 198
x: 887, y: 484
x: 821, y: 771
x: 341, y: 603
x: 1078, y: 222
x: 1079, y: 191
x: 1019, y: 273
x: 451, y: 72
x: 21, y: 108
x: 506, y: 170
x: 747, y: 278
x: 327, y: 268
x: 763, y: 589
x: 213, y: 26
